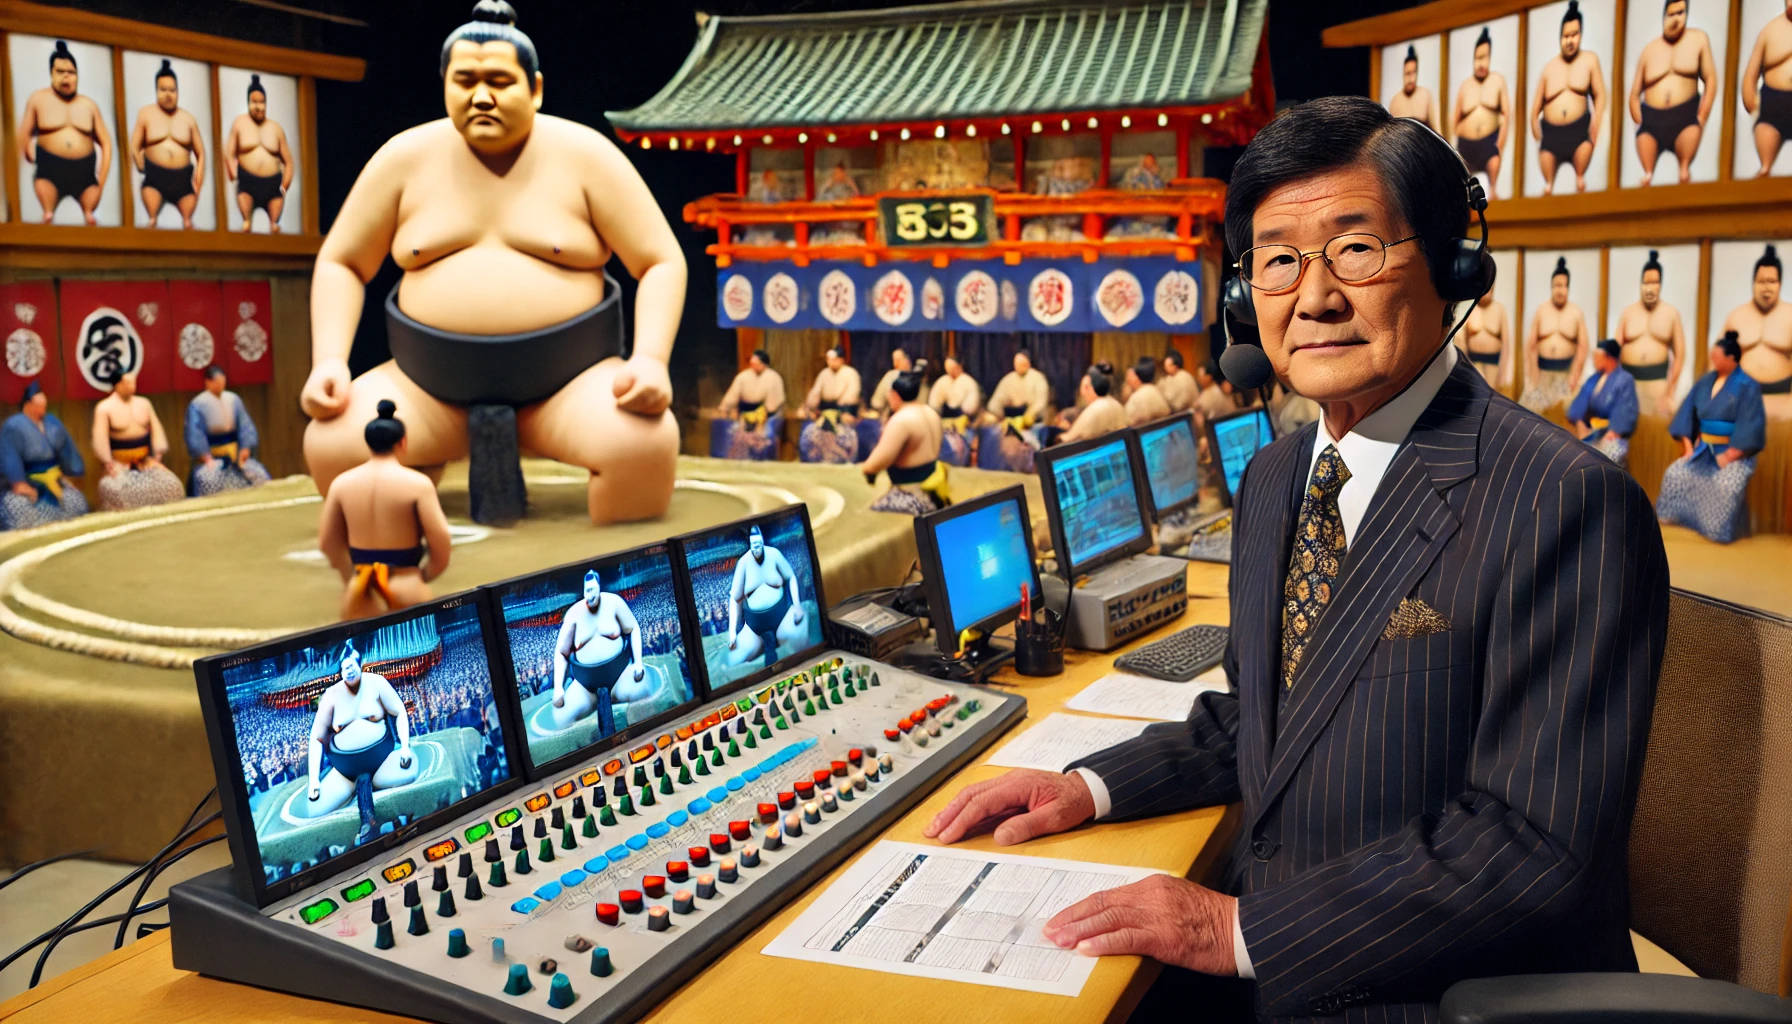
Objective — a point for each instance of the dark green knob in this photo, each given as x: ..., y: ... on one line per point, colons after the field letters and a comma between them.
x: 546, y: 854
x: 590, y: 829
x: 518, y: 982
x: 607, y: 816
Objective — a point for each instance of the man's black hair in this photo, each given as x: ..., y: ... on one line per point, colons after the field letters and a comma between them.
x: 384, y: 432
x: 907, y: 384
x: 1212, y: 368
x: 1731, y: 344
x: 1611, y: 347
x: 1173, y: 356
x: 1561, y: 269
x: 1669, y: 3
x: 255, y: 86
x: 763, y: 356
x: 61, y: 52
x: 1145, y: 369
x: 213, y: 370
x: 1484, y: 39
x: 1572, y: 14
x: 1770, y: 258
x: 1023, y: 352
x: 1099, y: 382
x: 494, y: 21
x: 167, y: 71
x: 1654, y: 264
x: 1412, y: 56
x: 1421, y: 175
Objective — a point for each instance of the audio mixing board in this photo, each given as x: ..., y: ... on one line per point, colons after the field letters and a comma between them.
x: 589, y: 895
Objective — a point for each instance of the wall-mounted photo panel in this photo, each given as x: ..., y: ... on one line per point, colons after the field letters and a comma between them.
x: 260, y: 151
x: 1764, y: 85
x: 1746, y: 297
x: 1654, y: 304
x: 1483, y: 123
x: 1568, y: 99
x: 168, y: 105
x: 1672, y: 91
x: 1489, y: 338
x: 1409, y: 80
x: 63, y: 112
x: 1561, y: 324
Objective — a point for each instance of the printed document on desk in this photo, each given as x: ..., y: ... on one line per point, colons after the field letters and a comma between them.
x: 1130, y: 696
x: 1058, y: 739
x: 940, y: 912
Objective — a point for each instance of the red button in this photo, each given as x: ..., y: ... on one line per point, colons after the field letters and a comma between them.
x: 719, y: 842
x: 768, y: 813
x: 631, y: 900
x: 857, y: 756
x: 786, y: 801
x: 609, y: 913
x: 805, y: 789
x: 678, y: 870
x: 839, y: 768
x: 699, y: 856
x: 919, y: 717
x: 741, y: 830
x: 822, y: 775
x: 655, y: 885
x: 892, y: 734
x: 906, y: 725
x: 938, y: 703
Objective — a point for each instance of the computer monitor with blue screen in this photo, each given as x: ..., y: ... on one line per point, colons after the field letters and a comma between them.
x: 1168, y: 456
x: 1094, y: 501
x: 976, y: 557
x: 1234, y: 440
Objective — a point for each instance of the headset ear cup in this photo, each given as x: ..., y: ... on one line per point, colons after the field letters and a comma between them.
x: 1471, y: 272
x: 1238, y: 301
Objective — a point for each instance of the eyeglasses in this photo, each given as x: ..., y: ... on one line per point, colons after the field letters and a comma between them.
x: 1354, y: 257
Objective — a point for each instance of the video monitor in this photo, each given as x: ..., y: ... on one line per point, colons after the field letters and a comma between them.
x: 976, y: 556
x: 336, y: 744
x: 597, y: 650
x: 756, y: 589
x: 1094, y: 502
x: 1234, y: 439
x: 1169, y: 462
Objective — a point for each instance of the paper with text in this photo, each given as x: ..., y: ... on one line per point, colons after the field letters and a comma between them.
x: 1058, y: 739
x: 1130, y: 696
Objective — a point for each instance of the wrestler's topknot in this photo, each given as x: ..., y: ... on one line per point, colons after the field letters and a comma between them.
x: 1731, y: 344
x: 1484, y: 39
x: 1770, y: 258
x: 167, y: 71
x: 1572, y: 14
x: 1412, y: 55
x: 255, y: 86
x: 384, y: 431
x: 61, y: 52
x: 494, y: 21
x: 1561, y: 268
x: 1654, y: 262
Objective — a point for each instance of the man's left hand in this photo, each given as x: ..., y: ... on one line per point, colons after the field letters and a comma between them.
x: 1171, y: 920
x: 643, y: 387
x: 1729, y: 455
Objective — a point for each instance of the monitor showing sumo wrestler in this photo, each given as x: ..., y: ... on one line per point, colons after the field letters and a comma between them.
x: 757, y: 593
x: 597, y: 649
x: 335, y: 744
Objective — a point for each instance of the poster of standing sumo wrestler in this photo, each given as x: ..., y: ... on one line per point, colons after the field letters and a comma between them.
x: 1483, y: 124
x: 66, y: 123
x: 1568, y: 98
x: 1561, y: 324
x: 169, y: 150
x: 1764, y: 91
x: 1747, y: 296
x: 1409, y: 80
x: 1672, y: 91
x: 259, y: 151
x: 1653, y: 300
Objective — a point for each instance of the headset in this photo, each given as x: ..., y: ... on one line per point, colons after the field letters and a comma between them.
x: 1467, y: 274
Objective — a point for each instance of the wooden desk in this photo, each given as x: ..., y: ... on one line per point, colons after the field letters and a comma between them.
x: 139, y: 983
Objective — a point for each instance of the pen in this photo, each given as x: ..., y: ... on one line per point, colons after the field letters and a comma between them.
x: 1026, y: 604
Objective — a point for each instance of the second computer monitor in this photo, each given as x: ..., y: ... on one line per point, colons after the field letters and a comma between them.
x: 1094, y: 502
x: 1169, y: 460
x: 976, y: 557
x: 1234, y: 440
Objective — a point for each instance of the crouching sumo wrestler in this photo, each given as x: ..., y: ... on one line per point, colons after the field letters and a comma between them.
x: 504, y: 331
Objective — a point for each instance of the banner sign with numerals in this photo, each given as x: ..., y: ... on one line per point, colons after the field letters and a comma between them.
x: 936, y: 220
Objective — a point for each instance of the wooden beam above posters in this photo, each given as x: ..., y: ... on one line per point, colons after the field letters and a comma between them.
x: 230, y: 176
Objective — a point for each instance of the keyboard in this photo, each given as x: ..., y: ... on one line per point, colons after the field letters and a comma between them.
x: 1179, y: 657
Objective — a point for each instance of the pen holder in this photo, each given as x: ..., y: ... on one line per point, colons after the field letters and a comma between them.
x: 1038, y: 649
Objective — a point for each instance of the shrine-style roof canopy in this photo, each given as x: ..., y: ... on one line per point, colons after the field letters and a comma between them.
x: 956, y: 63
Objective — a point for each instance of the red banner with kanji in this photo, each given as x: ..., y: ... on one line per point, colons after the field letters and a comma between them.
x: 197, y: 321
x: 101, y: 336
x: 28, y: 322
x: 249, y: 341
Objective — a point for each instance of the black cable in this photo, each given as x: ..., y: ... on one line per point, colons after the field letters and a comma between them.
x: 124, y: 918
x: 131, y: 909
x: 185, y: 834
x: 47, y: 861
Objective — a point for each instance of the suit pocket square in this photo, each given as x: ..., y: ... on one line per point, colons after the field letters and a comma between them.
x: 1414, y: 618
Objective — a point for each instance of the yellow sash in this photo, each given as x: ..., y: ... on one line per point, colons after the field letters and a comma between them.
x: 225, y: 451
x: 130, y: 456
x: 50, y: 479
x: 1019, y: 423
x: 935, y: 484
x: 957, y: 424
x: 1715, y: 440
x: 756, y: 418
x: 1598, y: 423
x: 375, y: 575
x: 830, y: 418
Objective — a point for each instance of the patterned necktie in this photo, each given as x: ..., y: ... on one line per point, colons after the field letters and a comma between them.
x: 1315, y: 560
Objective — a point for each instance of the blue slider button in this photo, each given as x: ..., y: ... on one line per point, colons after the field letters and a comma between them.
x: 751, y: 775
x: 525, y: 905
x: 549, y: 892
x: 596, y: 864
x: 617, y: 854
x: 572, y: 878
x: 698, y: 806
x: 677, y: 819
x: 735, y: 784
x: 717, y: 795
x: 659, y: 830
x: 770, y: 764
x: 636, y: 842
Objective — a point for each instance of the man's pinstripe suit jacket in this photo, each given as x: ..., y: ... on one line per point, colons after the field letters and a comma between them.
x: 1423, y: 809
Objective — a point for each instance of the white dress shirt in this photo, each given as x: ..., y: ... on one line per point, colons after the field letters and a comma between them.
x: 1367, y: 450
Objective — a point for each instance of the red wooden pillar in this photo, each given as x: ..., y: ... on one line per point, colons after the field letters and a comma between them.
x: 740, y: 172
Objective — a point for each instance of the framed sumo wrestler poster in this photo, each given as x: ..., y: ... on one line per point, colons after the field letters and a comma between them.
x: 1653, y: 299
x: 1483, y: 124
x: 1561, y: 324
x: 1748, y: 297
x: 64, y: 112
x: 1672, y: 91
x: 1764, y: 91
x: 1568, y: 97
x: 259, y: 151
x: 1409, y: 80
x: 170, y: 150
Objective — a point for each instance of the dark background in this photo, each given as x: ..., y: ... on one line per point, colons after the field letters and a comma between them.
x: 599, y: 55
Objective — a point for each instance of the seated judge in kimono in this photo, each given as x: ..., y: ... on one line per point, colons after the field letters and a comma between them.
x: 221, y: 439
x: 957, y: 397
x: 755, y: 404
x: 130, y: 443
x: 1721, y: 426
x: 832, y: 409
x: 41, y: 466
x: 1016, y: 408
x: 1604, y: 413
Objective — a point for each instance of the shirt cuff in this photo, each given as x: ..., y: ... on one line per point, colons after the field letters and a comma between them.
x: 1097, y: 789
x: 1243, y: 955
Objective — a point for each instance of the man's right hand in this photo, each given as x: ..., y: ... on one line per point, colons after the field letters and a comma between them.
x: 326, y: 391
x: 1035, y: 803
x: 24, y: 490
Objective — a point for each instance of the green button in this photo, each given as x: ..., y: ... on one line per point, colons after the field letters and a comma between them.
x: 478, y: 832
x: 359, y: 891
x: 509, y: 817
x: 322, y: 908
x: 745, y: 704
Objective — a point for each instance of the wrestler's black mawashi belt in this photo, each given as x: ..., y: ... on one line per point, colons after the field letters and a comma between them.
x: 1653, y: 371
x: 1548, y: 365
x: 505, y: 369
x: 1783, y: 386
x: 1486, y: 358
